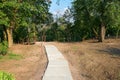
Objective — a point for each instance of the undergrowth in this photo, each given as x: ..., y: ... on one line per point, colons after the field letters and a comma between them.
x: 3, y: 48
x: 6, y: 76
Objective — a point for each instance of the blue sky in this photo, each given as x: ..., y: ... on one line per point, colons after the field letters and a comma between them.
x: 63, y: 5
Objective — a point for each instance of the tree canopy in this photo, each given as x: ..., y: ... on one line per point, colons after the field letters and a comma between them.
x: 30, y: 20
x: 21, y: 17
x: 96, y: 16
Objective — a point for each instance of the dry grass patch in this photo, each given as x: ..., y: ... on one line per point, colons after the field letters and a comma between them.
x: 92, y: 61
x: 32, y: 64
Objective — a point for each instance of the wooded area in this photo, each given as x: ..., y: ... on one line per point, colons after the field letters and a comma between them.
x: 88, y: 19
x: 27, y: 21
x: 19, y: 19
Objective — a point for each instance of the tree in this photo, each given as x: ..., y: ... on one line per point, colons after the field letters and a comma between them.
x: 17, y: 13
x: 91, y: 13
x: 9, y: 9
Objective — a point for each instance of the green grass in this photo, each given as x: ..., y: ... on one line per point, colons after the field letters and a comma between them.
x: 15, y: 56
x: 6, y: 76
x: 11, y: 56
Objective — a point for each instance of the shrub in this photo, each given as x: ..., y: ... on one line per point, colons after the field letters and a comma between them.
x: 3, y: 48
x: 6, y: 76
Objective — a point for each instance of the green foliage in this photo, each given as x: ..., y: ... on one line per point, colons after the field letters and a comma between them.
x: 6, y: 76
x: 88, y: 17
x: 20, y: 31
x: 3, y: 48
x: 3, y: 19
x: 18, y: 14
x: 90, y: 14
x: 80, y: 22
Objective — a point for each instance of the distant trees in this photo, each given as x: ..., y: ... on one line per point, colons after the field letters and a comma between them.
x: 61, y: 28
x: 87, y: 19
x: 26, y: 21
x: 96, y: 16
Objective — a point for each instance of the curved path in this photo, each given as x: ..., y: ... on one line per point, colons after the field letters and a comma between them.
x: 57, y: 68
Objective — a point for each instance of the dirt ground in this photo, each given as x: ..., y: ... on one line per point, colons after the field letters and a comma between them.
x: 89, y: 60
x: 31, y: 66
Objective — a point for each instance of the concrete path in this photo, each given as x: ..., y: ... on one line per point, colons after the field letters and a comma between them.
x: 57, y: 68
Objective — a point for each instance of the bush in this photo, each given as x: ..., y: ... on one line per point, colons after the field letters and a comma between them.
x: 3, y: 48
x: 6, y: 76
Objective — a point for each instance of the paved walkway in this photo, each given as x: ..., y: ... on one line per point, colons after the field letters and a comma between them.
x: 57, y: 68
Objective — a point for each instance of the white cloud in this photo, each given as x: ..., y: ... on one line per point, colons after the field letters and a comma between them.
x: 63, y: 11
x: 54, y: 12
x: 59, y: 12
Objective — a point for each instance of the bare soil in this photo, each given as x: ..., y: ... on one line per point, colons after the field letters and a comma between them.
x: 31, y: 66
x: 90, y: 60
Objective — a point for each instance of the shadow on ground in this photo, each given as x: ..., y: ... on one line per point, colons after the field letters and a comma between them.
x: 111, y: 51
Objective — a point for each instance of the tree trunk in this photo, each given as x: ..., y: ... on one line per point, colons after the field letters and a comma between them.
x: 117, y: 33
x: 5, y: 33
x: 34, y: 38
x: 10, y: 37
x: 102, y: 33
x: 5, y: 36
x: 96, y: 33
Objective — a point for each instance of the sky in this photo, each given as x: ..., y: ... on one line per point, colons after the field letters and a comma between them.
x: 59, y: 9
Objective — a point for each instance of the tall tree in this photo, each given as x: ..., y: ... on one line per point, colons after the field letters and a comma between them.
x: 17, y: 13
x: 9, y: 8
x: 91, y: 13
